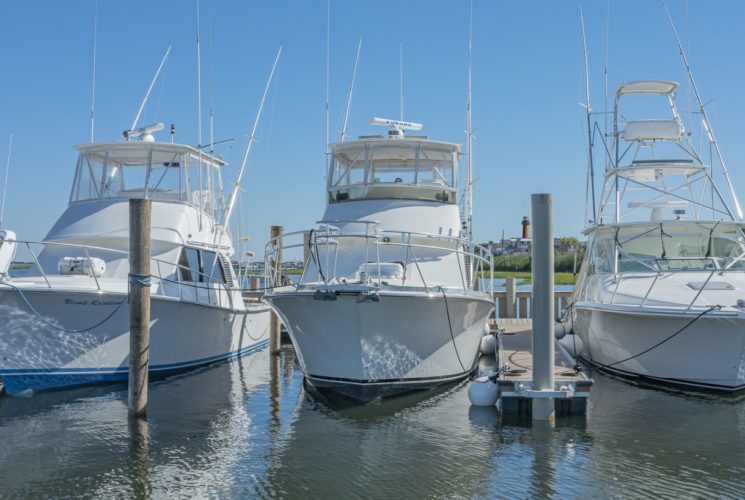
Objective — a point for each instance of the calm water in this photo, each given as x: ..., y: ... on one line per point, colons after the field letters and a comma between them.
x: 234, y: 430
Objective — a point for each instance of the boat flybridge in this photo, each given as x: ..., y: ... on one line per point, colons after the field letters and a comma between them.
x: 389, y: 298
x: 661, y: 293
x: 66, y: 319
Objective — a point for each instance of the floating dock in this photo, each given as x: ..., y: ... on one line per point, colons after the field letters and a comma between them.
x: 515, y: 381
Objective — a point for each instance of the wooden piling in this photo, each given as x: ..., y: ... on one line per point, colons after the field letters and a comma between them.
x: 275, y: 326
x: 139, y: 305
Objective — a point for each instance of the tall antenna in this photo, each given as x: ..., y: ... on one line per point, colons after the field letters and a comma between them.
x: 237, y: 185
x: 351, y: 89
x: 469, y: 136
x: 588, y: 112
x: 199, y: 121
x: 328, y: 63
x: 605, y: 74
x: 149, y: 89
x: 401, y: 77
x: 5, y: 183
x: 704, y: 115
x: 211, y: 77
x: 93, y: 84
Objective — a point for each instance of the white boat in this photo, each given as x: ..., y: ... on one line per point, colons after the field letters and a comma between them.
x: 661, y: 291
x: 389, y: 300
x: 65, y: 321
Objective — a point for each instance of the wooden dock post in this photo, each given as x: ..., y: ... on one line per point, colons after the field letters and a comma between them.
x: 275, y: 325
x: 306, y: 248
x: 255, y: 283
x: 510, y: 298
x: 139, y: 305
x: 543, y: 304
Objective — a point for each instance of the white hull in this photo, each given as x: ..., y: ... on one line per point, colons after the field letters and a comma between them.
x: 710, y: 353
x: 367, y: 350
x: 34, y: 355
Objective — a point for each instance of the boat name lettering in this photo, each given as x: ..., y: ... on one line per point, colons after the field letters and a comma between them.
x: 77, y: 302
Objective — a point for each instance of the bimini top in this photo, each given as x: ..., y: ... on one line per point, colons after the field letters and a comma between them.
x: 393, y: 168
x: 139, y: 153
x: 661, y: 87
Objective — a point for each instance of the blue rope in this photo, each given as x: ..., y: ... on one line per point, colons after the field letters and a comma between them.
x: 139, y: 279
x: 64, y: 330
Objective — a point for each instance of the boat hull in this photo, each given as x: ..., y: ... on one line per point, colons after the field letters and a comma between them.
x: 708, y: 352
x: 37, y: 356
x: 366, y: 350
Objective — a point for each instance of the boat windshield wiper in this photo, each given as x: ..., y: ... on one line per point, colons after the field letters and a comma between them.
x: 662, y: 240
x: 708, y: 244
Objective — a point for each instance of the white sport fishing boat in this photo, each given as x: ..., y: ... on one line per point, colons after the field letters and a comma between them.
x: 65, y: 321
x: 389, y: 298
x: 661, y: 293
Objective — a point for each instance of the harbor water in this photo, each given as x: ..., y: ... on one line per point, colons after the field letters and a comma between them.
x: 250, y: 429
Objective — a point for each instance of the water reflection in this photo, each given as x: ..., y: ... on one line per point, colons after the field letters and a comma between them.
x: 249, y: 428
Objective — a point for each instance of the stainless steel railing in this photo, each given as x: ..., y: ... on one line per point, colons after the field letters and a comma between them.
x: 325, y: 241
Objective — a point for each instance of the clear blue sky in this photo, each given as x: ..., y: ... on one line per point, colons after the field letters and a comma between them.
x: 527, y: 67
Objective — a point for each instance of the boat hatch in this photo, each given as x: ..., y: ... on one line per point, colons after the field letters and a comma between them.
x: 711, y: 285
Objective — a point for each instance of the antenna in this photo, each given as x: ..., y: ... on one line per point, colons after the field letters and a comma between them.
x: 351, y: 89
x: 149, y: 89
x: 212, y: 118
x: 93, y: 84
x: 469, y: 135
x: 5, y: 183
x: 704, y: 115
x: 237, y: 185
x: 605, y: 74
x: 401, y: 75
x: 328, y: 59
x: 588, y: 111
x: 199, y: 122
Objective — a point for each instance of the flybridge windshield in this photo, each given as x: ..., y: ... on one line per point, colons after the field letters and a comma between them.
x: 669, y: 247
x: 387, y: 169
x: 124, y: 171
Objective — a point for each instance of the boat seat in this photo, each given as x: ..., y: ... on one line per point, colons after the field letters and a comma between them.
x: 653, y: 130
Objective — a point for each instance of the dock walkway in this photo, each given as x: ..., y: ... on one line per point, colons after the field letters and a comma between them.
x: 515, y: 383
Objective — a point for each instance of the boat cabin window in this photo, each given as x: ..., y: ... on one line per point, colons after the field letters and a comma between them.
x: 126, y: 171
x: 196, y: 265
x: 393, y: 169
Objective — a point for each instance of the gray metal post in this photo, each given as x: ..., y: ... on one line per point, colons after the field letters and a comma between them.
x: 510, y: 292
x: 139, y: 306
x: 543, y: 303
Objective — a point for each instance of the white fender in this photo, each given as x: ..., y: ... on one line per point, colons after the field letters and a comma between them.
x: 483, y: 392
x: 7, y: 250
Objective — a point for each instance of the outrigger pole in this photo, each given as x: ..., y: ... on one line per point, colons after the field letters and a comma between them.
x: 150, y: 89
x: 588, y: 111
x: 237, y: 185
x: 343, y: 132
x: 702, y: 110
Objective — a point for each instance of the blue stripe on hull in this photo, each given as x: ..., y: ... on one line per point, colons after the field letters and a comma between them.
x: 44, y: 379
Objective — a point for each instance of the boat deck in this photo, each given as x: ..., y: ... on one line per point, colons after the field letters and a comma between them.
x: 517, y: 354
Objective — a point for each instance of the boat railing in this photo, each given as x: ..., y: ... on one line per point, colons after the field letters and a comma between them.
x: 328, y: 237
x: 165, y: 276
